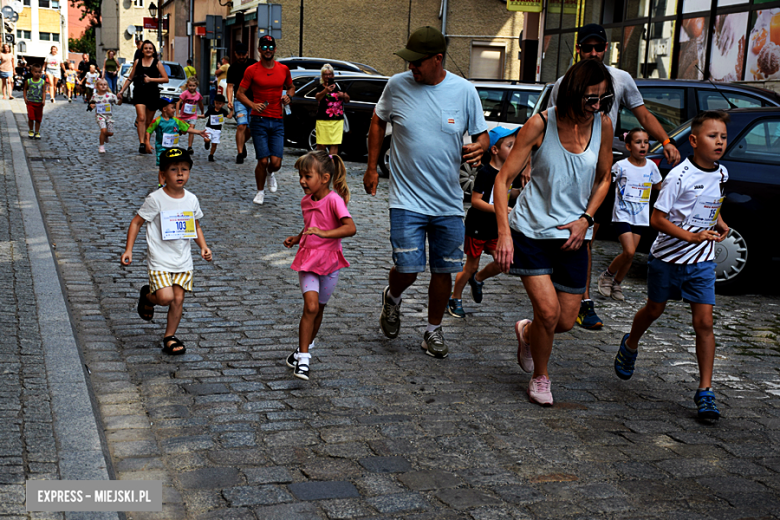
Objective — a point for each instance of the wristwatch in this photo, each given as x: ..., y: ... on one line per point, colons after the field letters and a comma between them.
x: 588, y: 218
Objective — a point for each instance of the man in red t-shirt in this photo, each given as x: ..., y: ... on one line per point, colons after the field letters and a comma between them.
x: 268, y: 81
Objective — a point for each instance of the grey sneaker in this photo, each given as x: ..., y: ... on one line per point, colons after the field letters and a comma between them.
x: 605, y: 285
x: 433, y: 344
x: 617, y: 292
x: 390, y: 320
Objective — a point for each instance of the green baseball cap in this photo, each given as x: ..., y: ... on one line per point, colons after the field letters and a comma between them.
x: 425, y: 41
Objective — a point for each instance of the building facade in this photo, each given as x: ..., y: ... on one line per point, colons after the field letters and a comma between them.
x: 122, y: 22
x: 41, y: 25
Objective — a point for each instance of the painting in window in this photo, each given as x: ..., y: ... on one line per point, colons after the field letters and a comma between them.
x: 763, y: 57
x: 727, y: 60
x: 692, y: 48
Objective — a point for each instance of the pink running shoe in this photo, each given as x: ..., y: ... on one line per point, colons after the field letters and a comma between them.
x: 539, y: 391
x: 524, y: 358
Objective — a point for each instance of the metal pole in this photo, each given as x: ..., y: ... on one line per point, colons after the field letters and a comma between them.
x: 160, y: 29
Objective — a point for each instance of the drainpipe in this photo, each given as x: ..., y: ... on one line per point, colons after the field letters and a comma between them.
x: 443, y: 17
x: 191, y: 49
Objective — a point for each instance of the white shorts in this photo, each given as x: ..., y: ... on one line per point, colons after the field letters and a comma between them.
x: 213, y: 135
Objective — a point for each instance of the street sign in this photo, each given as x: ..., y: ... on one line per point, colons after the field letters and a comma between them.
x: 151, y: 23
x: 200, y: 30
x: 213, y: 27
x: 269, y: 20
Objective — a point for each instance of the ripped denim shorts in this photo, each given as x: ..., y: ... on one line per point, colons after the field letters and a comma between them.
x: 408, y: 231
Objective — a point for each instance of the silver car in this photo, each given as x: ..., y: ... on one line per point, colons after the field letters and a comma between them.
x: 175, y: 86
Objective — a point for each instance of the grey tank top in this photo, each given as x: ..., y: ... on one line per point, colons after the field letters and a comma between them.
x: 560, y: 186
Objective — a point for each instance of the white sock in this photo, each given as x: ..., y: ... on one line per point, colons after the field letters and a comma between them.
x: 431, y: 328
x: 311, y: 345
x: 303, y: 358
x: 395, y: 300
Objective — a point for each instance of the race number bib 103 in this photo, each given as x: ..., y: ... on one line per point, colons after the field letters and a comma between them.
x: 216, y: 120
x: 638, y: 192
x: 705, y: 212
x: 177, y: 225
x: 103, y: 108
x: 170, y: 140
x: 189, y: 108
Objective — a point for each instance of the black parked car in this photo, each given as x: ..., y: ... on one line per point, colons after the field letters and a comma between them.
x: 752, y: 158
x: 364, y: 92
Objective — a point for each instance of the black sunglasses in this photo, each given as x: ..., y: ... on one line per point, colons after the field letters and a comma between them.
x: 589, y: 47
x: 419, y: 62
x: 595, y: 100
x: 267, y: 47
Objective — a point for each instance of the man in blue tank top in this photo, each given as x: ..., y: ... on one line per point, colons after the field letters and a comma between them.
x: 430, y: 110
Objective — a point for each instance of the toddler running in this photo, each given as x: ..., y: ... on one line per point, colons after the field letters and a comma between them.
x: 90, y: 78
x: 167, y: 129
x: 33, y: 97
x: 319, y: 258
x: 187, y: 107
x: 635, y: 177
x: 215, y: 117
x: 481, y: 226
x: 71, y: 77
x: 102, y: 102
x: 172, y: 215
x: 681, y: 264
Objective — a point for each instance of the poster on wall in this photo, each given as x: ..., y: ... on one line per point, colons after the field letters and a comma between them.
x: 727, y: 61
x: 763, y: 57
x: 692, y: 48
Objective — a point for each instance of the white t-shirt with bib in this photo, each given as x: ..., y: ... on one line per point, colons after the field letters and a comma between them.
x: 173, y: 256
x: 633, y: 185
x: 691, y: 197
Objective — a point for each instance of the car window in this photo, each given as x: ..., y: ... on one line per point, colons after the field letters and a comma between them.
x: 301, y: 81
x: 761, y: 144
x: 716, y: 100
x: 666, y: 104
x: 365, y: 91
x: 125, y: 68
x: 521, y: 105
x: 310, y: 89
x: 174, y: 71
x: 491, y: 102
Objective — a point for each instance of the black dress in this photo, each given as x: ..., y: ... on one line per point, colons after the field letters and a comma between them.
x: 146, y: 93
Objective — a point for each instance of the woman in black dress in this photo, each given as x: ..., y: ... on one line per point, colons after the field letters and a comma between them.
x: 147, y: 74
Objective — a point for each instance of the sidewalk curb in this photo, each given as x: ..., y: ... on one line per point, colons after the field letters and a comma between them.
x: 79, y: 448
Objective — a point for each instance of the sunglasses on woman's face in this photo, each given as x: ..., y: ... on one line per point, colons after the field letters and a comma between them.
x: 596, y: 100
x: 587, y: 48
x: 267, y: 47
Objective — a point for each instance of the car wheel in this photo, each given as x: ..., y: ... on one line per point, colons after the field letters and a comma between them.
x: 731, y: 257
x: 467, y: 176
x: 384, y: 158
x: 313, y: 139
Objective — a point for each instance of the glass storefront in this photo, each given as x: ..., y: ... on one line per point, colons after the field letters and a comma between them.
x: 723, y: 40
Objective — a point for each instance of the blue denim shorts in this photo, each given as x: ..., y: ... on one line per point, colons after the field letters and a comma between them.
x: 568, y: 270
x: 692, y: 283
x: 240, y: 112
x: 408, y: 231
x: 267, y: 136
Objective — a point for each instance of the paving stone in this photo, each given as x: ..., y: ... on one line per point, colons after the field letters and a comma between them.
x: 323, y: 490
x: 272, y: 475
x: 210, y: 478
x: 345, y: 508
x: 256, y: 495
x: 429, y: 479
x: 399, y: 503
x: 465, y: 498
x: 385, y: 464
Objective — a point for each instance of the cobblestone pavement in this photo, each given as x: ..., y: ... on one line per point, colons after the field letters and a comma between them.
x: 381, y: 430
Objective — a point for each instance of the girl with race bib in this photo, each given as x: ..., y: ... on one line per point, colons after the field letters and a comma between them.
x: 188, y: 105
x: 635, y: 177
x: 102, y: 103
x: 319, y: 258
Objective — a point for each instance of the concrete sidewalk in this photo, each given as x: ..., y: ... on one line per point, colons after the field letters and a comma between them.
x: 49, y: 428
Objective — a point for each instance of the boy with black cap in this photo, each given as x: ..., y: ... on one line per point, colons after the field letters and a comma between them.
x: 172, y: 215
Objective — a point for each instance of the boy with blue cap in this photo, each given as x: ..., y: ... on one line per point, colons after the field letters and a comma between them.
x: 481, y: 227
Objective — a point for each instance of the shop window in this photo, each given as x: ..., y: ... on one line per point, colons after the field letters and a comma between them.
x: 592, y: 13
x: 24, y: 35
x: 659, y: 52
x: 53, y: 4
x: 55, y: 37
x: 637, y: 9
x: 634, y: 46
x: 727, y: 58
x: 44, y: 36
x: 692, y: 47
x: 138, y: 3
x: 666, y: 104
x: 521, y: 105
x: 552, y: 18
x: 566, y: 56
x: 695, y: 6
x: 491, y: 103
x: 549, y: 71
x: 26, y: 2
x: 662, y: 8
x: 761, y: 144
x: 487, y: 61
x: 710, y: 99
x: 612, y: 56
x: 762, y: 58
x: 613, y: 12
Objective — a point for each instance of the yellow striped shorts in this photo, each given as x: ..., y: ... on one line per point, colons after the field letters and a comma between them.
x: 162, y: 279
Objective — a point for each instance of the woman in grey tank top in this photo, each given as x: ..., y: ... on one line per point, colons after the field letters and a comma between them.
x: 541, y: 240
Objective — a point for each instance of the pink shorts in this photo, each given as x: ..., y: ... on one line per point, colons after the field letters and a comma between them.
x: 324, y: 285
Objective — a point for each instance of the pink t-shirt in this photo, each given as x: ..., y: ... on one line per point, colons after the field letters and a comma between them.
x: 315, y: 254
x: 189, y: 102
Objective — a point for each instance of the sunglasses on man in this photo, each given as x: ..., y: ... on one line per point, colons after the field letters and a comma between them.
x: 590, y: 47
x: 418, y: 63
x: 267, y: 47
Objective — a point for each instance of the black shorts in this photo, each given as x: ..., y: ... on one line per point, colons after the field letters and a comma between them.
x: 568, y: 270
x: 147, y: 96
x: 625, y: 227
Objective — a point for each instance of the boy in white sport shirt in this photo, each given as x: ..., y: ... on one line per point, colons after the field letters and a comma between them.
x: 681, y: 264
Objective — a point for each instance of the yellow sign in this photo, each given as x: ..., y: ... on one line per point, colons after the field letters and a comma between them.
x: 528, y: 6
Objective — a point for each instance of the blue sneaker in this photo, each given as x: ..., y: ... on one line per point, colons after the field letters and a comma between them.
x: 455, y: 308
x: 476, y: 288
x: 624, y: 360
x: 705, y: 401
x: 587, y: 318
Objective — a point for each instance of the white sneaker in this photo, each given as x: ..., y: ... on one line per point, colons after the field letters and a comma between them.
x: 605, y: 285
x: 259, y: 197
x: 102, y: 149
x: 617, y: 292
x: 272, y: 183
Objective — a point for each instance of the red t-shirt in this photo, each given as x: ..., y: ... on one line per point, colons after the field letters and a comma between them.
x: 267, y: 86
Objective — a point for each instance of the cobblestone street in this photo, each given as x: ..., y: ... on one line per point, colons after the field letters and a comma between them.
x: 381, y: 430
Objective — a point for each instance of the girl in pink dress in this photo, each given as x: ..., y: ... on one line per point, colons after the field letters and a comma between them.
x: 319, y: 258
x: 187, y: 108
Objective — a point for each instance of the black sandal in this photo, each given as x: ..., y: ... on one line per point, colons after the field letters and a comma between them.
x: 144, y: 304
x: 175, y: 347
